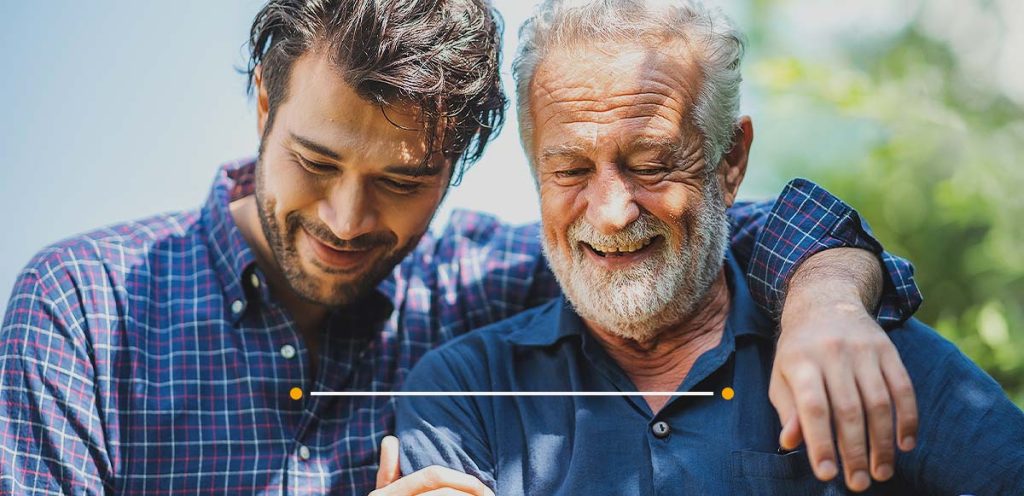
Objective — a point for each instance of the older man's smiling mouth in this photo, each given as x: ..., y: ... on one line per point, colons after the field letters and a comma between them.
x: 620, y: 250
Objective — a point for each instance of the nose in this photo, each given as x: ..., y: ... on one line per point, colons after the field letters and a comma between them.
x: 349, y: 210
x: 611, y: 205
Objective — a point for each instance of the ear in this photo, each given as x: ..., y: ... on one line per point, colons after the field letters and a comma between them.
x: 262, y: 101
x: 734, y: 162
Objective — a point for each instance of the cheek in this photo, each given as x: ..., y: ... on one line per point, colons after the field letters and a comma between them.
x: 558, y: 212
x: 671, y: 202
x: 290, y: 189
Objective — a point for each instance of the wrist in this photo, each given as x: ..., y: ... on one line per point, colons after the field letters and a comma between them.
x: 838, y: 276
x: 824, y: 297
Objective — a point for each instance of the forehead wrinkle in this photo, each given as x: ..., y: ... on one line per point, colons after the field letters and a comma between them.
x: 640, y: 99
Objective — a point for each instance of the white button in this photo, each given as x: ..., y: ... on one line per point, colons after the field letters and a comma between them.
x: 288, y: 351
x: 237, y: 306
x: 304, y: 453
x: 255, y: 280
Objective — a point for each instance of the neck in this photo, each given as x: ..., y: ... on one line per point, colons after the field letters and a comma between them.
x: 308, y: 317
x: 662, y: 362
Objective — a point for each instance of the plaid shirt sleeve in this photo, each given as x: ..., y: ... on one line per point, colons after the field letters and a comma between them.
x: 51, y: 437
x: 775, y: 237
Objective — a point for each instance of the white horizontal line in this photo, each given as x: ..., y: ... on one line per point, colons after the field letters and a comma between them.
x: 509, y: 393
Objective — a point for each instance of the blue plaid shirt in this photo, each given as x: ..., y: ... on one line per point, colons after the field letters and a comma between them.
x: 150, y: 358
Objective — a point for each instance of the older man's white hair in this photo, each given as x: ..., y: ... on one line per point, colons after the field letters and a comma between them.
x: 718, y: 47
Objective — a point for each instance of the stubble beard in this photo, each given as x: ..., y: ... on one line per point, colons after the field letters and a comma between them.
x: 307, y: 287
x: 663, y: 290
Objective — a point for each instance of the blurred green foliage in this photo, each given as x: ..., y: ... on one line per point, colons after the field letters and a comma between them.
x: 928, y: 153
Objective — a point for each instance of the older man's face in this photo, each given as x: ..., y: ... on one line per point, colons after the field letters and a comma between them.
x: 634, y: 227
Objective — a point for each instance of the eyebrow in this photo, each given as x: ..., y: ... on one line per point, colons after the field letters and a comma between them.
x: 414, y: 170
x: 564, y: 150
x: 316, y: 147
x: 670, y: 145
x: 400, y: 169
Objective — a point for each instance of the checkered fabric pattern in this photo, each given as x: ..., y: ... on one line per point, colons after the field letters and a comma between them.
x: 150, y: 358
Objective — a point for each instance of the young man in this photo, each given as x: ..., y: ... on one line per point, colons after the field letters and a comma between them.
x: 177, y: 353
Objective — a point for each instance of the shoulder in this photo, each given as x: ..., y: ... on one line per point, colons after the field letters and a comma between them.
x: 919, y: 345
x: 101, y: 256
x: 938, y: 369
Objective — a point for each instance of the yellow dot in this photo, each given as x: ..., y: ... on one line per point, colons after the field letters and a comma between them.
x: 728, y: 393
x: 296, y: 393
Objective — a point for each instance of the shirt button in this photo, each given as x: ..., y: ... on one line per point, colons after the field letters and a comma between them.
x: 254, y: 280
x: 237, y: 306
x: 304, y: 453
x: 661, y: 429
x: 288, y: 351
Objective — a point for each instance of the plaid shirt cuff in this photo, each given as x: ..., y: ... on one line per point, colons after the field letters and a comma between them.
x: 807, y: 219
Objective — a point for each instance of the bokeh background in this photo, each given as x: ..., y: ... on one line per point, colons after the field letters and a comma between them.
x: 911, y: 110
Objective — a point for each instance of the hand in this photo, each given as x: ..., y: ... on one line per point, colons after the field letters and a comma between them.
x: 433, y: 481
x: 833, y: 361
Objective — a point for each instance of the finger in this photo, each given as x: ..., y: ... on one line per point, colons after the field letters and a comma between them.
x: 813, y: 412
x: 848, y: 413
x: 877, y: 405
x: 902, y: 392
x: 388, y: 471
x: 791, y: 437
x: 781, y: 397
x: 437, y: 477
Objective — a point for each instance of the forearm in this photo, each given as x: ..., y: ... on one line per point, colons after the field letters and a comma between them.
x: 840, y: 277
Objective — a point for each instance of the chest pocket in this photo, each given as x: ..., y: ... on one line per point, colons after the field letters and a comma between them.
x: 759, y: 473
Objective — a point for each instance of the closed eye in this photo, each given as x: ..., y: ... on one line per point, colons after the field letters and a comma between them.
x: 567, y: 173
x: 649, y: 171
x: 315, y: 167
x: 401, y: 187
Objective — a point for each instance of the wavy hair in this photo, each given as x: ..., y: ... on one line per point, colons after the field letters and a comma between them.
x: 441, y: 56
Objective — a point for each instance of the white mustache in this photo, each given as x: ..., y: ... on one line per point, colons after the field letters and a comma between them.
x: 645, y: 228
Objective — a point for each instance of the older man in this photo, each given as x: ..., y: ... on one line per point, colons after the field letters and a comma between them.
x: 629, y: 113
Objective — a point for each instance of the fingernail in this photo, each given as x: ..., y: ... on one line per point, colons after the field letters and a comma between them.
x: 827, y: 469
x: 908, y: 443
x: 860, y: 480
x: 884, y: 472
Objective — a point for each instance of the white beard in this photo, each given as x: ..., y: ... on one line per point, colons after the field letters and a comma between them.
x: 639, y: 302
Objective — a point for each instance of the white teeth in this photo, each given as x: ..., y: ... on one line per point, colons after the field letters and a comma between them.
x: 630, y: 248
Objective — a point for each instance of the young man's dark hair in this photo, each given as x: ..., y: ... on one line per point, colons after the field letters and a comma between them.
x: 441, y: 56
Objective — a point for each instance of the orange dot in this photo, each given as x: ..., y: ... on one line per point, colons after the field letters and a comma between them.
x: 728, y: 393
x: 295, y: 393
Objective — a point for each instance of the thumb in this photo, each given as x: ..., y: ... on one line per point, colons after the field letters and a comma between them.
x: 388, y: 470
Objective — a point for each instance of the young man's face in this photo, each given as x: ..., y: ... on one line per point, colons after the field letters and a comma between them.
x: 341, y: 191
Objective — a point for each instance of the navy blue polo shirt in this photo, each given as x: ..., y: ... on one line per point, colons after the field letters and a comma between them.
x: 971, y: 437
